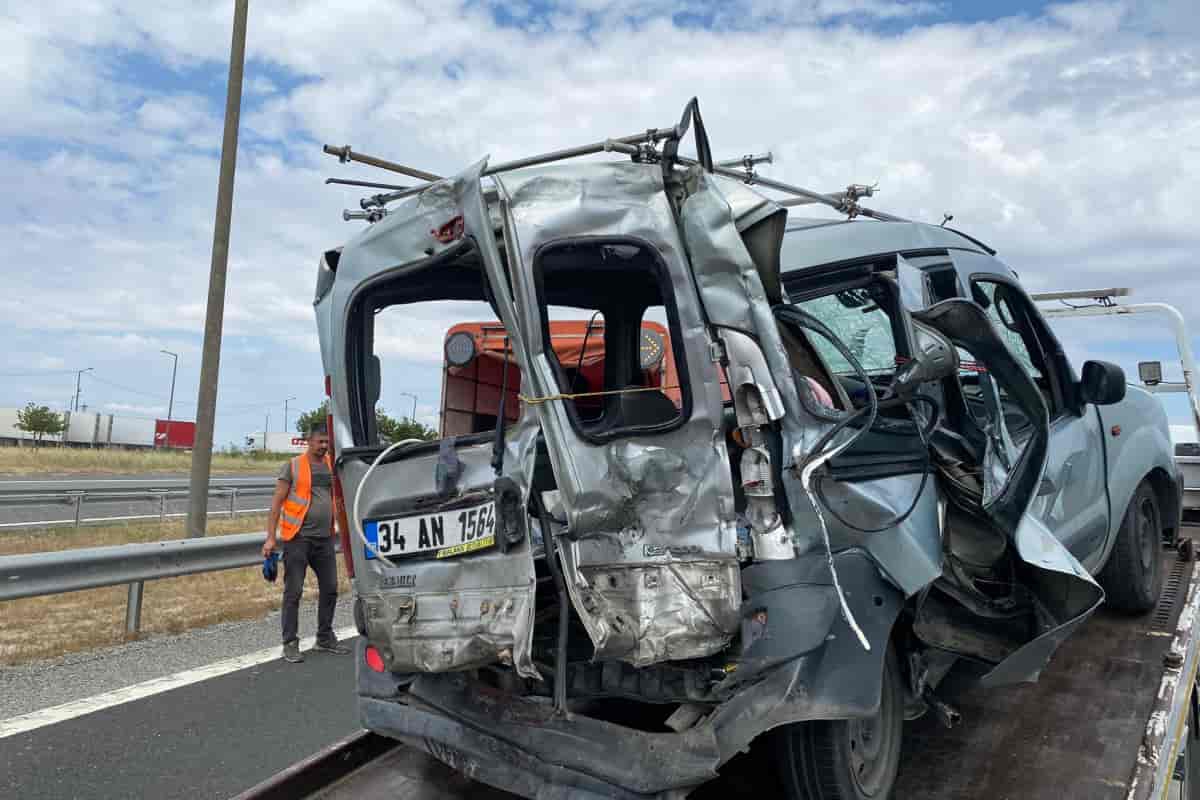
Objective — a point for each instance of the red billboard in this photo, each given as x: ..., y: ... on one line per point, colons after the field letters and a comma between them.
x: 176, y: 433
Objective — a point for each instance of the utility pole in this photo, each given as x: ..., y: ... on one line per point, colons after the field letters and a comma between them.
x: 206, y: 401
x: 266, y: 428
x: 413, y: 417
x: 285, y: 410
x: 78, y: 375
x: 171, y: 402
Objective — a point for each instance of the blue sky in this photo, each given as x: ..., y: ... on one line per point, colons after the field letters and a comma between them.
x: 1065, y: 135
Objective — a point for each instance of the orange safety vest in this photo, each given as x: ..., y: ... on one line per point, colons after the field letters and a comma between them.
x: 295, y: 507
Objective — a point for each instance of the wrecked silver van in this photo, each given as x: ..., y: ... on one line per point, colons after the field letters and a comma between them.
x: 877, y: 464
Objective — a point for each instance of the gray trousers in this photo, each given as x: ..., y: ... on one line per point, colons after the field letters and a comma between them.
x: 299, y: 553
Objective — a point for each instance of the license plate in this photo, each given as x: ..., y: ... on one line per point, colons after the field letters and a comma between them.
x: 443, y: 534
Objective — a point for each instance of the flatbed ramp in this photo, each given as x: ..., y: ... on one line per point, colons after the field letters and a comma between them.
x: 1103, y: 723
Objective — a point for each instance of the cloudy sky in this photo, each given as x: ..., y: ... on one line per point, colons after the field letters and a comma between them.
x: 1065, y: 135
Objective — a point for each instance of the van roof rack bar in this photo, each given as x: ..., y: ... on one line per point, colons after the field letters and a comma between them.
x: 845, y: 202
x: 640, y: 147
x: 650, y: 137
x: 1085, y: 294
x: 366, y: 184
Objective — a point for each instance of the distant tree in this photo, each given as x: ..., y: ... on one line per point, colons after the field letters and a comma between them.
x: 395, y: 430
x: 308, y: 418
x: 39, y: 420
x: 390, y: 428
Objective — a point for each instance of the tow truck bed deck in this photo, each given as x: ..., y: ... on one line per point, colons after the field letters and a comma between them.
x: 1077, y: 732
x: 1104, y: 716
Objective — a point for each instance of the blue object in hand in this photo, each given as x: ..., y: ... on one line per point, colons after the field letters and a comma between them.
x: 270, y: 567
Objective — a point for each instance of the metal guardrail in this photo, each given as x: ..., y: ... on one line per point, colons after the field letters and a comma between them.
x: 161, y: 490
x: 38, y: 574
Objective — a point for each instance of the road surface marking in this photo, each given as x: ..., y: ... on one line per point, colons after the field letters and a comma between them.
x: 77, y: 708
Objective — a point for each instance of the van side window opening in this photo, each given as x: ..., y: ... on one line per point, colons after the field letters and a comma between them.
x: 429, y: 333
x: 1019, y: 327
x: 614, y: 294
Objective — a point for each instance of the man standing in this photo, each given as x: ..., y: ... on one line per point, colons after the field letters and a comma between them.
x: 302, y: 511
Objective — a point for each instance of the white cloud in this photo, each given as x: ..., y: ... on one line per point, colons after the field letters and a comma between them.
x: 1068, y: 141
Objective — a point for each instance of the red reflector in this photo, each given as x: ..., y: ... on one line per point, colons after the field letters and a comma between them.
x: 374, y: 660
x: 328, y: 386
x: 449, y: 232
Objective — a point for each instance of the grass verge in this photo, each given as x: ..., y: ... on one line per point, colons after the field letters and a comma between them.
x: 73, y: 460
x: 49, y: 627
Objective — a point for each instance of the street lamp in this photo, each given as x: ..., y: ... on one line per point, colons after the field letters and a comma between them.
x: 78, y: 375
x: 171, y: 402
x: 414, y: 399
x: 285, y: 410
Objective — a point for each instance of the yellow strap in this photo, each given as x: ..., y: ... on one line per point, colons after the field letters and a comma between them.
x: 536, y: 401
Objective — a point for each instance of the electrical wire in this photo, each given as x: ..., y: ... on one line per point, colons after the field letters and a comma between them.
x: 356, y: 521
x: 583, y: 348
x: 96, y: 377
x: 928, y: 467
x: 818, y: 455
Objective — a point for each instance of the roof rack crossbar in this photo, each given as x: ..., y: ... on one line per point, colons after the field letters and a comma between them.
x: 641, y: 147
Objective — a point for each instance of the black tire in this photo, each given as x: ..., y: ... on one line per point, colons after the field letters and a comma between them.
x: 845, y: 759
x: 1132, y: 578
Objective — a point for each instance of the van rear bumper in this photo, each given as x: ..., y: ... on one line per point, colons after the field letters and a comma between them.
x: 520, y: 758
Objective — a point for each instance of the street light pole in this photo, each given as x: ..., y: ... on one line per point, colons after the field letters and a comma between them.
x: 285, y: 410
x: 78, y: 376
x: 210, y: 361
x: 171, y: 402
x: 413, y: 417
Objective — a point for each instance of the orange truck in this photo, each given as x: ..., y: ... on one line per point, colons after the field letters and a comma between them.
x: 476, y: 355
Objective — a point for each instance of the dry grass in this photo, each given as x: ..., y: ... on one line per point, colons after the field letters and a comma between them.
x: 43, y: 460
x: 49, y: 627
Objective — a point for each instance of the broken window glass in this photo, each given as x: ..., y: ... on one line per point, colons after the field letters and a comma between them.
x: 865, y: 329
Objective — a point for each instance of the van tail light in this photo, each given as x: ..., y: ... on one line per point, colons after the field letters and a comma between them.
x: 339, y: 499
x: 374, y: 659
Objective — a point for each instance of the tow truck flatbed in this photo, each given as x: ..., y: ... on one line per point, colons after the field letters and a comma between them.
x: 1106, y: 721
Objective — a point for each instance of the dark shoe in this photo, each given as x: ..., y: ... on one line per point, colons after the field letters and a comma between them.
x: 291, y: 653
x: 333, y: 648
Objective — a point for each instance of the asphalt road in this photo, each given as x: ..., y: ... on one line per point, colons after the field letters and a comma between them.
x: 211, y: 739
x: 99, y: 507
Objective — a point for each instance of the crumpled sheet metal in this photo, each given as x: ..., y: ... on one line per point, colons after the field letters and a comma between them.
x: 1064, y: 589
x: 670, y: 549
x: 443, y: 614
x: 909, y: 554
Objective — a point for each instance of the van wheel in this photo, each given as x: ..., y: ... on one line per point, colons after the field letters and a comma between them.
x: 1132, y: 578
x: 853, y: 759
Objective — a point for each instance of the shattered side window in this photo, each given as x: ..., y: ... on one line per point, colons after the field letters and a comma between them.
x: 608, y: 313
x: 1007, y: 322
x: 863, y: 327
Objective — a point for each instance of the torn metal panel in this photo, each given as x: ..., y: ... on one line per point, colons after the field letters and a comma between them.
x: 910, y: 553
x: 1066, y: 593
x: 649, y: 543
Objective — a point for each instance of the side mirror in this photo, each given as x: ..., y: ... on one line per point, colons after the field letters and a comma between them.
x: 1102, y: 384
x: 933, y: 358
